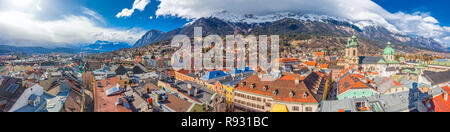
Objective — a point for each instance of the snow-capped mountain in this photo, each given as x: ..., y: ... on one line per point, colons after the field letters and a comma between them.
x: 104, y: 46
x: 252, y: 19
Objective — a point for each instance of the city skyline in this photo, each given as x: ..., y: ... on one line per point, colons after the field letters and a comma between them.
x: 39, y: 22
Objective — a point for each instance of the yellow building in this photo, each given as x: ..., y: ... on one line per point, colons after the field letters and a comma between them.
x: 229, y: 95
x: 28, y: 68
x: 279, y: 108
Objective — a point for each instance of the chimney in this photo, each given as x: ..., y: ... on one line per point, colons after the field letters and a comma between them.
x: 297, y: 80
x: 195, y: 92
x: 191, y: 92
x: 189, y: 86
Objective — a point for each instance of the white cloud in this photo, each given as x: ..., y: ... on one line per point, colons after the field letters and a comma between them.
x: 358, y: 10
x: 430, y: 20
x: 94, y: 15
x: 138, y: 4
x: 25, y: 29
x: 38, y: 7
x: 151, y: 17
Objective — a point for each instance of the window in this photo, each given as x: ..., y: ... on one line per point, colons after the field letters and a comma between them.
x: 12, y: 88
x: 295, y: 108
x: 354, y: 52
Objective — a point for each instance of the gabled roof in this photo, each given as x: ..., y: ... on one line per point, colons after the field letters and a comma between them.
x: 440, y: 104
x: 385, y: 83
x: 283, y: 88
x: 370, y: 59
x: 437, y: 77
x: 121, y: 70
x: 349, y: 81
x: 10, y: 90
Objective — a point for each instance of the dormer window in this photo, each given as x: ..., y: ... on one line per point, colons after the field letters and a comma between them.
x: 291, y: 94
x: 305, y: 95
x: 275, y: 92
x: 265, y: 88
x: 244, y: 83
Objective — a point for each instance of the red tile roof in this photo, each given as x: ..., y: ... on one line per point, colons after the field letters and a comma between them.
x: 284, y: 87
x: 323, y: 65
x: 289, y: 59
x: 440, y: 105
x: 311, y: 63
x: 319, y: 53
x: 291, y: 76
x: 351, y: 81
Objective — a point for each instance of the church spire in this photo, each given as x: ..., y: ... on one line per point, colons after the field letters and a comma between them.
x: 352, y: 42
x: 388, y: 50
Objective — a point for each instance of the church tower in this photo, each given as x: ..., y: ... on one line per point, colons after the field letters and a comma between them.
x: 351, y: 52
x: 388, y: 52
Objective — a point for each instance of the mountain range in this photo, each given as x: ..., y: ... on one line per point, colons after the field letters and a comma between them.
x: 104, y: 46
x: 316, y: 31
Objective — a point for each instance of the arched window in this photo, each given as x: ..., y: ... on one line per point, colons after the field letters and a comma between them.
x: 354, y: 52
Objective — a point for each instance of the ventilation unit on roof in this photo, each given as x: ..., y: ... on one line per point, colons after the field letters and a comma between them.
x: 34, y: 100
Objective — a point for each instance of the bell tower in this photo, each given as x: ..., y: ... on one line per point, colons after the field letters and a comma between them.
x: 388, y: 52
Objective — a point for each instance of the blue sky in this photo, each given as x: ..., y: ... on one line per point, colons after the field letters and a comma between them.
x: 51, y: 23
x: 138, y: 19
x: 436, y: 8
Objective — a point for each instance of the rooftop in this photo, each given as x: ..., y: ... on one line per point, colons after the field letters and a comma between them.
x: 351, y: 81
x: 104, y: 103
x: 177, y: 104
x: 280, y: 90
x: 439, y: 102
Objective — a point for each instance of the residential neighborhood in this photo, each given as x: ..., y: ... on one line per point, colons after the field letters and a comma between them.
x: 311, y: 80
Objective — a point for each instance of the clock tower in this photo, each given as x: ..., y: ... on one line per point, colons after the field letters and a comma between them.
x: 351, y: 52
